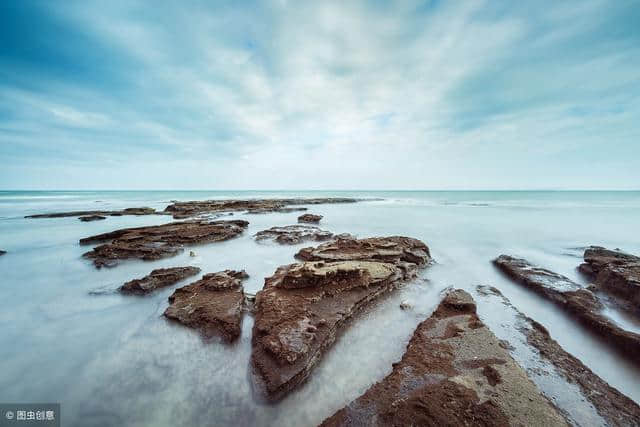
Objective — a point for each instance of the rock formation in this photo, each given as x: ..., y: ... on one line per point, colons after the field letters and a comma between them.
x: 213, y: 305
x: 581, y: 303
x: 159, y: 278
x: 89, y: 218
x: 158, y: 241
x: 294, y: 234
x: 127, y: 211
x: 453, y: 373
x: 192, y: 208
x: 304, y: 305
x: 2, y: 252
x: 310, y: 218
x: 616, y: 273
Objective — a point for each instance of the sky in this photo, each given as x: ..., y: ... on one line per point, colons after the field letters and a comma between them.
x: 413, y: 95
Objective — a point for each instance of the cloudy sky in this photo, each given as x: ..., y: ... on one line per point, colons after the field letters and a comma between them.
x: 319, y: 95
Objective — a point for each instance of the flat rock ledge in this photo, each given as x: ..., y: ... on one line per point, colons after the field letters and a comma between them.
x: 91, y: 218
x: 616, y: 273
x: 213, y: 305
x: 581, y: 303
x: 95, y: 214
x: 294, y: 234
x: 158, y: 241
x: 310, y: 218
x: 303, y: 306
x: 188, y: 209
x: 454, y: 372
x: 157, y: 279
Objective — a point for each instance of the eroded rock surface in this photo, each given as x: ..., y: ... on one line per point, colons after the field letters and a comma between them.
x: 213, y: 305
x: 294, y: 234
x: 189, y: 209
x: 157, y: 279
x: 158, y: 241
x: 453, y: 373
x: 613, y: 407
x: 614, y: 272
x: 127, y: 211
x: 581, y: 303
x: 310, y: 218
x: 304, y: 305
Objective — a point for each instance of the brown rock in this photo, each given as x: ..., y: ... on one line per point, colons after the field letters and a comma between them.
x: 581, y: 303
x: 159, y: 278
x: 158, y: 241
x: 127, y: 211
x: 188, y: 209
x: 310, y: 218
x: 453, y: 373
x: 213, y: 304
x: 89, y: 218
x: 294, y: 234
x: 616, y: 408
x: 304, y: 305
x: 615, y: 272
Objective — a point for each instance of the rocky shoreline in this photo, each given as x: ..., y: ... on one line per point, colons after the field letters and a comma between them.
x: 456, y: 373
x: 157, y: 279
x: 303, y: 306
x: 97, y: 214
x: 579, y: 302
x: 294, y: 234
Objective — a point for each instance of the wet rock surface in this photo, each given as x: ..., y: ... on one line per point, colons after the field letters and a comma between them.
x: 310, y: 218
x: 615, y: 408
x: 294, y: 234
x: 89, y: 218
x: 304, y: 305
x: 127, y: 211
x: 213, y: 305
x: 454, y: 373
x: 616, y: 273
x: 581, y: 303
x: 157, y: 279
x: 158, y: 241
x: 191, y: 208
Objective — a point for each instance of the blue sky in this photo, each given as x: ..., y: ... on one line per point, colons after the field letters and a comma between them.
x: 319, y: 95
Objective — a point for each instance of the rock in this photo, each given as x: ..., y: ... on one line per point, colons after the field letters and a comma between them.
x: 192, y: 208
x: 303, y: 306
x: 213, y: 305
x: 581, y: 303
x: 89, y: 218
x: 453, y: 373
x: 2, y: 252
x: 294, y: 234
x: 616, y: 408
x: 192, y: 254
x: 310, y: 218
x: 158, y: 241
x: 159, y: 278
x: 405, y: 305
x: 95, y: 214
x: 615, y: 272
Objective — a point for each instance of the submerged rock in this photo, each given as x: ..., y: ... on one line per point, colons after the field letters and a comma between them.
x: 614, y: 272
x: 89, y: 218
x: 304, y: 305
x: 213, y: 305
x: 95, y: 214
x: 159, y: 278
x: 453, y: 373
x: 310, y: 218
x: 581, y: 303
x: 189, y: 209
x: 294, y: 234
x: 2, y: 252
x: 158, y: 241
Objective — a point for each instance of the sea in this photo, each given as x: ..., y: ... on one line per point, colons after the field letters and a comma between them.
x: 67, y: 336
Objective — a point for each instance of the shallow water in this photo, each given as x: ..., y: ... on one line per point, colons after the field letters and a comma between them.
x: 114, y: 360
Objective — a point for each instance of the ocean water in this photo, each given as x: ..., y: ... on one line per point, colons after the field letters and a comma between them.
x: 111, y: 360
